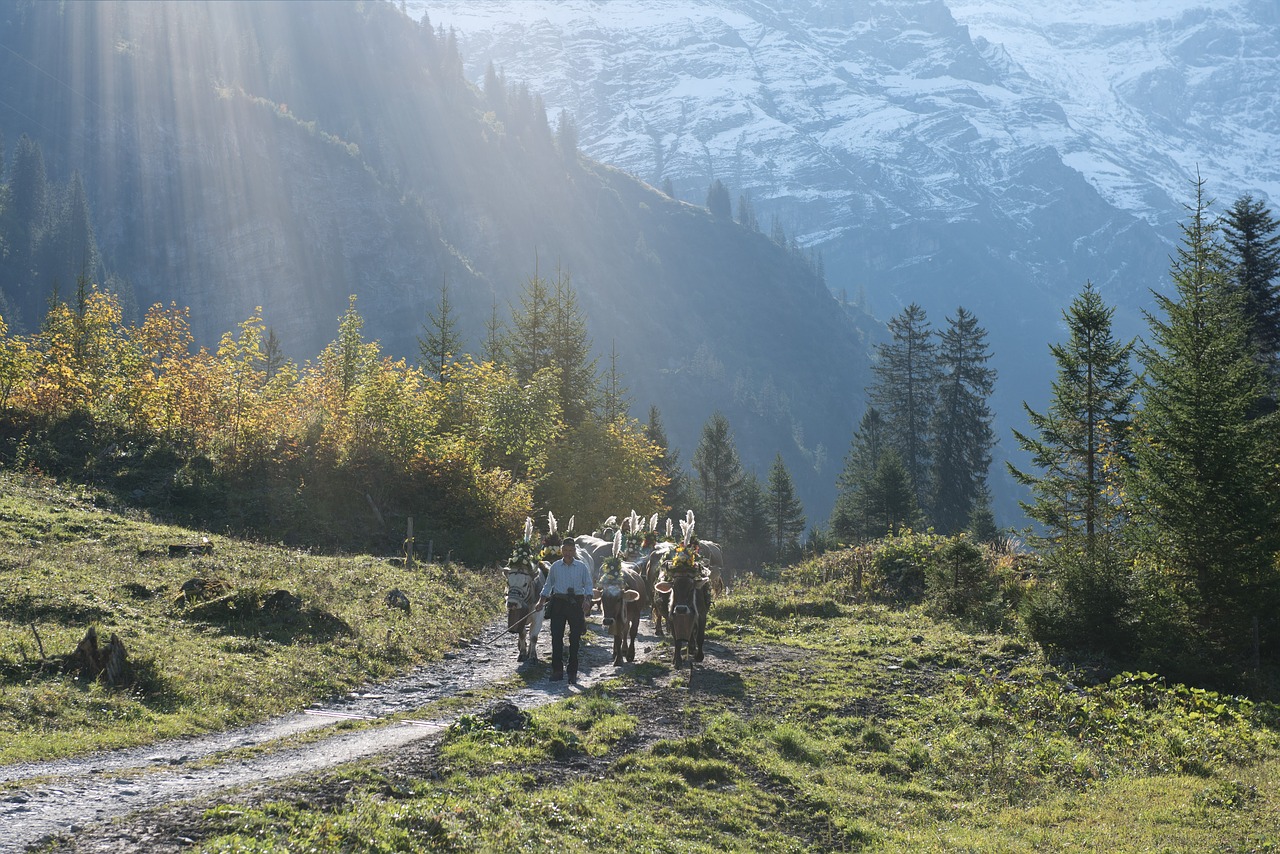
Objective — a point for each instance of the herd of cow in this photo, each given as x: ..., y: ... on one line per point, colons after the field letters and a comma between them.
x: 674, y: 580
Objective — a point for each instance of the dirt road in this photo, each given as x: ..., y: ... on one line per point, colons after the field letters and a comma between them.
x: 41, y: 801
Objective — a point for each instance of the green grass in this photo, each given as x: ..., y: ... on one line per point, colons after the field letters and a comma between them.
x: 848, y: 728
x: 67, y: 563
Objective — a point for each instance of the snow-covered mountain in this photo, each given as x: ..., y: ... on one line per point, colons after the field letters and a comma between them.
x: 987, y: 153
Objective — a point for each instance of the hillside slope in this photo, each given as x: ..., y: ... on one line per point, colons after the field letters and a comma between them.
x: 290, y: 154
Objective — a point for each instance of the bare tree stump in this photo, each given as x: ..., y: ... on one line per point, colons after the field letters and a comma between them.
x: 93, y: 662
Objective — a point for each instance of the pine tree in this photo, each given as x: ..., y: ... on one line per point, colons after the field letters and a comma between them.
x: 442, y: 342
x: 786, y: 513
x: 961, y: 422
x: 747, y: 214
x: 850, y: 518
x: 749, y: 540
x: 1253, y: 239
x: 890, y: 502
x: 570, y: 352
x: 1085, y: 429
x: 567, y: 138
x: 614, y: 394
x: 676, y: 494
x: 905, y: 390
x: 527, y: 345
x: 718, y: 200
x: 494, y: 348
x: 719, y: 475
x: 1204, y: 481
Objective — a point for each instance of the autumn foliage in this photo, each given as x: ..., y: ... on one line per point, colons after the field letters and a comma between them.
x: 335, y: 452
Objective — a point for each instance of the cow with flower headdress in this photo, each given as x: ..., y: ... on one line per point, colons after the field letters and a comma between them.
x: 685, y: 592
x: 621, y: 595
x: 526, y: 575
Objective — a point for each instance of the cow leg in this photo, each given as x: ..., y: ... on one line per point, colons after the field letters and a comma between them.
x: 675, y: 644
x: 617, y: 649
x: 631, y: 639
x: 521, y: 645
x: 535, y: 626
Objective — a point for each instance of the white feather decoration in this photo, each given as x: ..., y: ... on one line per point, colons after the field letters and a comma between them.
x: 569, y: 528
x: 653, y: 522
x: 617, y: 543
x: 551, y: 523
x: 669, y: 527
x: 528, y: 529
x: 611, y: 522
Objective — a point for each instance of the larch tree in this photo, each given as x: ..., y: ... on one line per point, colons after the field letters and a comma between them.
x: 1204, y: 481
x: 961, y: 428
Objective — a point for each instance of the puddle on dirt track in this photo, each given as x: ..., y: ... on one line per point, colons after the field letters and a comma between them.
x: 68, y: 796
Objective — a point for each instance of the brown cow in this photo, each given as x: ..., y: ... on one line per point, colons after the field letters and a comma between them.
x: 688, y: 595
x: 621, y: 596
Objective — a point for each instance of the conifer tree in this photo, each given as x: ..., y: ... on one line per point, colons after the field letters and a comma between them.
x: 615, y: 401
x: 676, y: 494
x: 718, y: 200
x: 719, y: 475
x: 1204, y: 481
x: 785, y: 512
x: 961, y: 431
x: 527, y: 344
x: 442, y: 342
x: 1253, y: 240
x: 904, y: 391
x: 850, y: 517
x: 890, y: 502
x: 1085, y: 428
x: 495, y: 334
x: 567, y: 138
x: 749, y: 540
x: 570, y: 352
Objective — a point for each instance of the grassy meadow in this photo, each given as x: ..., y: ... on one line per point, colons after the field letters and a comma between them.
x: 817, y: 724
x: 67, y: 562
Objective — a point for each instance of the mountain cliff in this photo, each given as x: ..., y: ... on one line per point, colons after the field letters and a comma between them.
x: 286, y: 155
x: 994, y: 155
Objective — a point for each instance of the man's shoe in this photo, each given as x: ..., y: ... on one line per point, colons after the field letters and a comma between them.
x: 573, y: 677
x: 556, y: 674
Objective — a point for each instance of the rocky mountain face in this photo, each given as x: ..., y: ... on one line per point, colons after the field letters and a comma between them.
x: 994, y: 154
x: 290, y: 154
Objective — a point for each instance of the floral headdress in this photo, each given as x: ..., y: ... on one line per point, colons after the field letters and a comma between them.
x: 613, y: 563
x: 684, y: 558
x: 523, y: 554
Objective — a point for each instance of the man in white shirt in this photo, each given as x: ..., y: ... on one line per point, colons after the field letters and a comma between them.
x: 568, y: 592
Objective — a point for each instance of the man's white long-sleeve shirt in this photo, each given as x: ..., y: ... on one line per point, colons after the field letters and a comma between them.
x: 562, y: 576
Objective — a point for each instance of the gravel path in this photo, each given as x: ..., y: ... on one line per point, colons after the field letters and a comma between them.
x: 39, y: 801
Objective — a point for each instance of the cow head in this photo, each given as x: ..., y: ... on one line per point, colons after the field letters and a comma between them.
x: 612, y: 596
x: 684, y: 604
x: 524, y: 583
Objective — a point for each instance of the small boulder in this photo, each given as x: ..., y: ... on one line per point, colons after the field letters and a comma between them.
x: 397, y: 598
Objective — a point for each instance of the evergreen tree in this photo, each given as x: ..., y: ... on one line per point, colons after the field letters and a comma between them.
x: 494, y: 89
x: 718, y: 200
x: 1085, y: 428
x: 527, y: 345
x: 747, y: 214
x: 786, y: 514
x: 719, y: 475
x: 615, y: 400
x: 272, y: 354
x: 676, y: 494
x: 570, y: 352
x: 890, y: 502
x: 668, y: 188
x: 1253, y: 239
x: 850, y: 518
x: 495, y: 336
x: 567, y: 138
x: 749, y: 540
x: 442, y: 341
x: 961, y: 422
x: 1205, y: 475
x: 904, y: 390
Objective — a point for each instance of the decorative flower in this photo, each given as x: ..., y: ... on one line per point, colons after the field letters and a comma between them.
x: 523, y: 554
